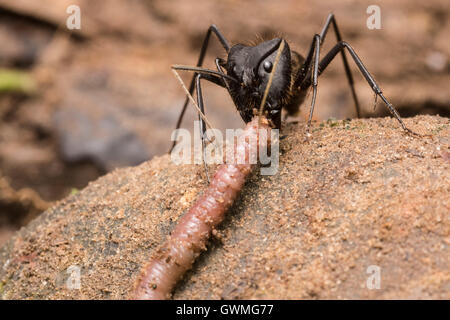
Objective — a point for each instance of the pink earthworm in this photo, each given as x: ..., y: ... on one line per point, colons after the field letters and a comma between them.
x: 189, y: 238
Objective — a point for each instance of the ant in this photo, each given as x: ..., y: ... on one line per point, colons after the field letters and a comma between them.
x: 248, y: 71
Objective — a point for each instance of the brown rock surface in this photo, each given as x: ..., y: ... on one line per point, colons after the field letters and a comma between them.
x: 360, y: 193
x: 102, y: 85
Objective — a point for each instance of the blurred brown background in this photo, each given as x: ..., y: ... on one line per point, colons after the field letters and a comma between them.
x: 76, y: 104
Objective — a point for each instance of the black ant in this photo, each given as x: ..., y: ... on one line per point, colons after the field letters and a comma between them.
x: 248, y: 69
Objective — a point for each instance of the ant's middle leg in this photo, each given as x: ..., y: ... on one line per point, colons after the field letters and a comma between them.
x: 331, y: 20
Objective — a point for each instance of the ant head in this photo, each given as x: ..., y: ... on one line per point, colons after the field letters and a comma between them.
x: 252, y: 65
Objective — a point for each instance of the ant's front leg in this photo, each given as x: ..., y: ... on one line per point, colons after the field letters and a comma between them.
x: 219, y: 65
x: 308, y: 77
x: 211, y: 30
x: 315, y: 75
x: 203, y: 135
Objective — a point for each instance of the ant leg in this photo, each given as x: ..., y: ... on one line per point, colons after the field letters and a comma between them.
x: 303, y: 78
x: 331, y: 20
x: 202, y: 123
x: 217, y: 77
x: 226, y: 46
x: 340, y: 46
x: 315, y: 75
x: 306, y: 78
x: 200, y: 103
x: 219, y: 63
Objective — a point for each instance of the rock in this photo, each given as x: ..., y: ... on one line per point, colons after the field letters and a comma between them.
x: 88, y: 128
x: 360, y: 197
x: 25, y: 204
x: 23, y: 41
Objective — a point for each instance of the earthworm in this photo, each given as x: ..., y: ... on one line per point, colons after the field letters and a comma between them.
x: 190, y: 236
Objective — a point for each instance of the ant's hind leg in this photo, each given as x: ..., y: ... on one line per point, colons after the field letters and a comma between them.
x: 370, y: 80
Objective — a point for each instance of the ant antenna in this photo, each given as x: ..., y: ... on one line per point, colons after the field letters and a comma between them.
x: 190, y: 97
x: 269, y: 83
x: 202, y: 70
x: 202, y: 115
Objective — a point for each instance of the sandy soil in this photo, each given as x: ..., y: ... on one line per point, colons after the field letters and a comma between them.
x: 360, y: 193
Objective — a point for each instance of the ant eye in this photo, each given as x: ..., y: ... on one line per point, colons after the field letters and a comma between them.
x: 267, y: 66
